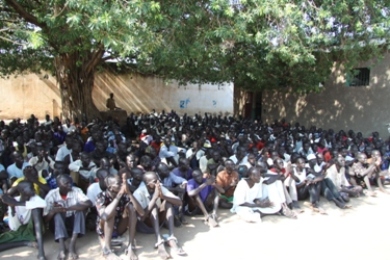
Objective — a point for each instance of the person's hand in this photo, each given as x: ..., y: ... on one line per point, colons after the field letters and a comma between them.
x: 156, y: 193
x: 57, y: 208
x: 121, y: 191
x: 210, y: 180
x: 6, y: 199
x: 234, y: 182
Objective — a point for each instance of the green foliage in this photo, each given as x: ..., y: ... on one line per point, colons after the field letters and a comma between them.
x: 257, y: 44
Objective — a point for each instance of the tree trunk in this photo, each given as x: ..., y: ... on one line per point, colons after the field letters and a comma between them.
x: 76, y: 83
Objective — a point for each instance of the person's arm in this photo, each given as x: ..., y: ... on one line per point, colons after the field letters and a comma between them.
x: 109, y: 211
x: 169, y: 197
x: 10, y: 201
x: 152, y: 202
x: 80, y: 206
x: 74, y: 166
x: 12, y: 191
x: 196, y: 191
x: 218, y: 188
x: 3, y: 175
x: 367, y: 171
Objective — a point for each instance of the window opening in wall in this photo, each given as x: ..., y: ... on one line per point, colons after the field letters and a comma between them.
x: 358, y: 77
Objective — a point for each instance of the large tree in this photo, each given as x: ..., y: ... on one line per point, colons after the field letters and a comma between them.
x: 257, y: 44
x: 72, y: 38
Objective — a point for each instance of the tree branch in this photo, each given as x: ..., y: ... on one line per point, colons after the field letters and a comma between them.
x: 22, y: 12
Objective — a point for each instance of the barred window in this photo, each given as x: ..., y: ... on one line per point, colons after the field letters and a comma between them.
x: 358, y: 77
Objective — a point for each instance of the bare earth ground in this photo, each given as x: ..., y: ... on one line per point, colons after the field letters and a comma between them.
x: 357, y: 233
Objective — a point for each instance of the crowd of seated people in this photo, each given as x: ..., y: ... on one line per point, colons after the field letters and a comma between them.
x: 159, y: 168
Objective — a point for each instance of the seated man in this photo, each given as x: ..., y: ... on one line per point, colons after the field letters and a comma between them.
x: 249, y: 201
x: 116, y: 209
x: 30, y: 174
x: 336, y: 173
x: 183, y: 170
x: 134, y: 178
x: 360, y: 170
x: 215, y: 164
x: 15, y: 170
x: 97, y: 187
x: 176, y: 185
x: 83, y: 171
x: 296, y: 183
x: 65, y: 213
x: 169, y: 152
x: 41, y: 162
x: 24, y: 219
x: 204, y: 197
x: 227, y: 180
x: 156, y: 200
x: 328, y: 189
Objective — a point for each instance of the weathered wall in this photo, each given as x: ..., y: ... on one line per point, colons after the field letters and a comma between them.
x: 141, y: 94
x: 362, y: 109
x: 38, y: 95
x: 29, y: 94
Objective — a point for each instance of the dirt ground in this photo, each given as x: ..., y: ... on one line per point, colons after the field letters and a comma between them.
x: 356, y: 233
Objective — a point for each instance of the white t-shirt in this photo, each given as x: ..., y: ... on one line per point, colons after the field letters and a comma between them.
x: 23, y: 213
x: 93, y: 191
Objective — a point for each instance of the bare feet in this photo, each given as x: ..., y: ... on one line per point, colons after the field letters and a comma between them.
x: 73, y: 256
x: 162, y: 252
x: 61, y: 255
x: 175, y: 247
x: 212, y: 221
x: 131, y: 254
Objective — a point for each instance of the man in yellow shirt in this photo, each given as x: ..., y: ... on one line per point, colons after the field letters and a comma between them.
x: 30, y: 174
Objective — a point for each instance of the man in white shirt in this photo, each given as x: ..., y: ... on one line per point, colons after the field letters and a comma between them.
x: 336, y: 173
x: 65, y: 149
x: 65, y: 210
x: 83, y: 170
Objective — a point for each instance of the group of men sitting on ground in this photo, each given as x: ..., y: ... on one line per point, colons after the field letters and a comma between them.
x: 160, y: 168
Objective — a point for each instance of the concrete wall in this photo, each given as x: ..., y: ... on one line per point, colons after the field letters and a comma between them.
x: 337, y: 106
x: 136, y: 93
x: 29, y: 94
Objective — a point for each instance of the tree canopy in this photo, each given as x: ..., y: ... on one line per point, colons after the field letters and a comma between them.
x: 257, y: 44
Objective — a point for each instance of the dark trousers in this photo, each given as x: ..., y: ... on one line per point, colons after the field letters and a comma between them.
x: 314, y: 191
x: 63, y: 227
x: 329, y: 190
